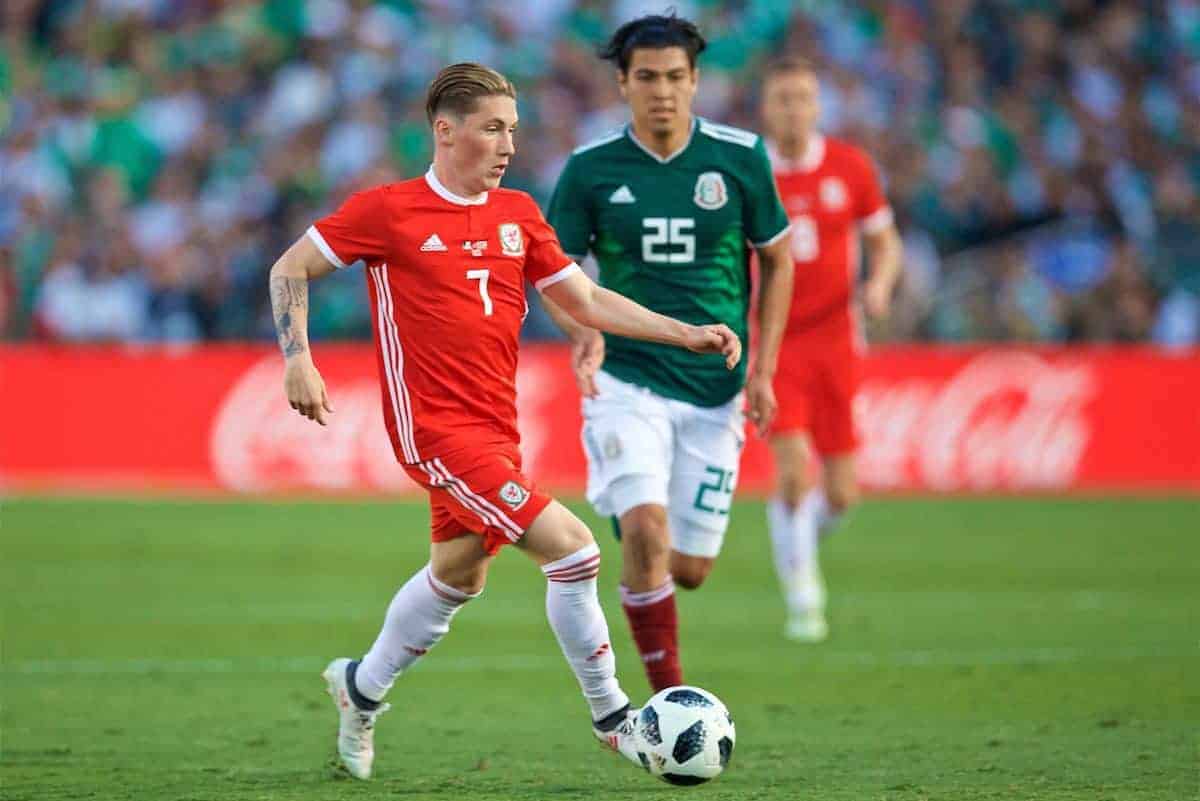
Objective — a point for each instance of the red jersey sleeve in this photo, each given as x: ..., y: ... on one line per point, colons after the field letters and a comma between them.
x: 545, y: 262
x: 871, y: 208
x: 357, y: 230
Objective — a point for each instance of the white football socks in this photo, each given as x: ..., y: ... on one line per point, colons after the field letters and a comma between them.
x: 573, y: 609
x: 794, y: 536
x: 418, y: 616
x: 822, y: 512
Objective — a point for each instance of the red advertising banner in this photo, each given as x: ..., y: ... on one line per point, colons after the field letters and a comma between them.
x: 934, y: 419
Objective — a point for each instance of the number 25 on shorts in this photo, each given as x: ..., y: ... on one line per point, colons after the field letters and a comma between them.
x: 716, y: 495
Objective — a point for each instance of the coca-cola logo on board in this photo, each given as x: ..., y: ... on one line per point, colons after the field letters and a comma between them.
x: 258, y: 443
x: 1007, y: 419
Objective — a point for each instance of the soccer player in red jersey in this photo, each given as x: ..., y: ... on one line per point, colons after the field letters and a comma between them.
x: 447, y: 256
x: 832, y: 195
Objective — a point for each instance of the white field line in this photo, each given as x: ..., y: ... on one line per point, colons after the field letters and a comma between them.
x: 805, y: 659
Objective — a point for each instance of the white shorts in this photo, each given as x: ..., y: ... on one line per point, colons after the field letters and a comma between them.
x: 643, y: 448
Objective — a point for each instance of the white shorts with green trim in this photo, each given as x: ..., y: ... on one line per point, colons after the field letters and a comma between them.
x: 643, y: 448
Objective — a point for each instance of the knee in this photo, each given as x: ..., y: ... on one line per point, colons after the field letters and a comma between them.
x: 576, y: 536
x: 555, y: 534
x: 468, y: 579
x: 644, y: 535
x: 840, y: 499
x: 689, y: 572
x: 792, y: 488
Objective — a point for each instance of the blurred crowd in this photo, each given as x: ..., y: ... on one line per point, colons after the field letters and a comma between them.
x: 156, y: 156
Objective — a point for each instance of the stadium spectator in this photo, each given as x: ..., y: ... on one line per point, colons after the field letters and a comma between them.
x: 1044, y: 160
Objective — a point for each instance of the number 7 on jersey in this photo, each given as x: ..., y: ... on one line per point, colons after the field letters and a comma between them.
x: 482, y: 277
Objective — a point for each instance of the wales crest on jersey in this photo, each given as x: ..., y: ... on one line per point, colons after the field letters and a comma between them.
x: 711, y: 193
x: 511, y: 241
x: 833, y: 193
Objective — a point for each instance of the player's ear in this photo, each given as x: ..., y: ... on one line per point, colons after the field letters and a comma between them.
x: 443, y: 131
x: 623, y: 83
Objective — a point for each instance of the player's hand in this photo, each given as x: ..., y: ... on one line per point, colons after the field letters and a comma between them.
x: 587, y: 354
x: 717, y: 338
x: 877, y: 299
x: 761, y: 405
x: 305, y: 389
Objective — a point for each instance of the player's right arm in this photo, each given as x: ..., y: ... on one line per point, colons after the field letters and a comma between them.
x: 356, y: 231
x: 587, y: 347
x: 301, y: 263
x: 594, y: 306
x: 570, y: 216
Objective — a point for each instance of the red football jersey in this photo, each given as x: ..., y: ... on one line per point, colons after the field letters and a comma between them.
x: 830, y: 192
x: 446, y: 276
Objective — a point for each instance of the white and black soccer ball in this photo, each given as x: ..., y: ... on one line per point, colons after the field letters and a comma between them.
x: 684, y: 735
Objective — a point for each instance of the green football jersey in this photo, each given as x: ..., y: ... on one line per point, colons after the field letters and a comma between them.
x: 672, y: 234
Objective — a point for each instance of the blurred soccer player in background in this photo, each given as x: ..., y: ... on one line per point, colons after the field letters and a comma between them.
x: 447, y: 256
x: 671, y: 206
x: 833, y: 197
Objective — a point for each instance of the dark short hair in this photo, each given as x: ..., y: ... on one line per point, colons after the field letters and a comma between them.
x: 457, y: 89
x: 655, y: 31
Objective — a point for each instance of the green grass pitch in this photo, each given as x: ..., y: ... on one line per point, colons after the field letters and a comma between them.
x: 981, y: 649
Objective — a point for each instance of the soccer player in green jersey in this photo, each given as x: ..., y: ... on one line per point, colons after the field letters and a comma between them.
x: 671, y: 206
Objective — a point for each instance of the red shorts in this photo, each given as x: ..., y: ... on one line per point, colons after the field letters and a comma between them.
x: 480, y: 491
x: 816, y: 386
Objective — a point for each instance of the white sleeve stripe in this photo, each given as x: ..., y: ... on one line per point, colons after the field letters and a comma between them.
x: 773, y: 239
x: 323, y: 246
x: 551, y: 280
x: 877, y: 220
x: 728, y: 133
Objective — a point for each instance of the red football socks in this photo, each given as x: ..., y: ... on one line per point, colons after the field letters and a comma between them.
x: 655, y: 629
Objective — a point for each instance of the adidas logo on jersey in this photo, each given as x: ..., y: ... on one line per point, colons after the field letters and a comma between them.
x: 622, y: 195
x: 434, y: 242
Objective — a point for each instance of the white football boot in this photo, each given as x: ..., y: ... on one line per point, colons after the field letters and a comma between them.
x: 356, y: 727
x: 807, y: 623
x: 809, y: 626
x: 620, y: 738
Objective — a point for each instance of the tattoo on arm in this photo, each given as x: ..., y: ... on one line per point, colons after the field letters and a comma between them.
x: 289, y: 296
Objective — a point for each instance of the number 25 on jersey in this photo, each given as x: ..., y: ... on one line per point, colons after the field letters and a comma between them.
x: 666, y: 240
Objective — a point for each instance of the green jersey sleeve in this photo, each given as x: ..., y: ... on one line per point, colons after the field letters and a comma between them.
x: 570, y: 210
x: 764, y: 217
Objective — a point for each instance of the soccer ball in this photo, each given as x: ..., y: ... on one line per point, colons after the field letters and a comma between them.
x: 684, y: 735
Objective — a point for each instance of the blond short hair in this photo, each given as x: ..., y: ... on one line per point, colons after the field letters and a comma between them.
x: 791, y: 62
x: 457, y: 89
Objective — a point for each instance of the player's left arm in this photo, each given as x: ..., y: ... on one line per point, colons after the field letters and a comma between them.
x: 767, y: 228
x: 776, y: 272
x: 596, y: 307
x: 885, y: 258
x: 881, y: 240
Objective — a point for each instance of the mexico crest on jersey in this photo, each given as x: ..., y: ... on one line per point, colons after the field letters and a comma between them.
x: 710, y: 191
x: 511, y: 241
x: 514, y: 494
x: 833, y: 194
